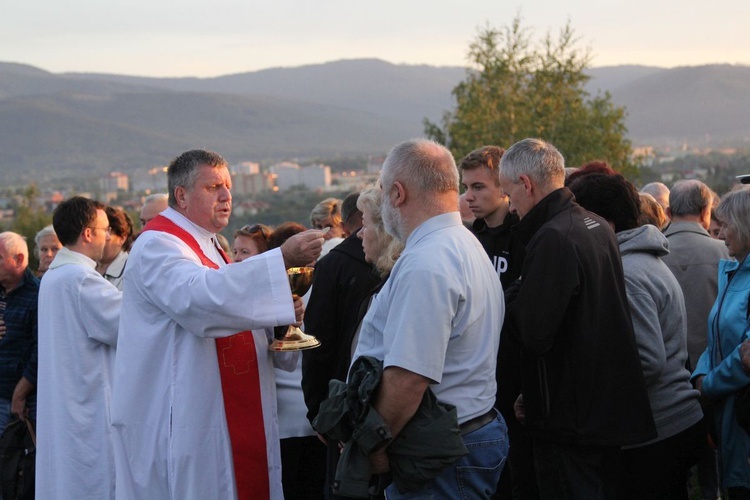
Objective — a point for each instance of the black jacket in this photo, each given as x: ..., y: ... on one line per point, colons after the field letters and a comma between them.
x: 342, y: 279
x: 582, y: 378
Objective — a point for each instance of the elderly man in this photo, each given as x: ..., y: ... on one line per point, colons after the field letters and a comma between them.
x: 436, y: 322
x: 153, y: 205
x: 694, y: 257
x: 19, y: 291
x: 660, y: 192
x: 583, y: 395
x: 694, y: 260
x: 193, y: 405
x: 46, y: 246
x: 78, y: 316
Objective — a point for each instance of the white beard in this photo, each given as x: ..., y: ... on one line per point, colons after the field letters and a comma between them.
x: 392, y: 220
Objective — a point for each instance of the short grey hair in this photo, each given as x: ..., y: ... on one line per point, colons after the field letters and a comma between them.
x: 183, y: 170
x: 538, y: 159
x: 422, y: 164
x: 656, y: 189
x: 45, y: 231
x: 153, y: 198
x: 734, y: 211
x: 689, y: 197
x: 14, y: 244
x: 370, y: 198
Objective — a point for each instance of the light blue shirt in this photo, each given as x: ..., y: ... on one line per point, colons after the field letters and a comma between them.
x: 440, y: 314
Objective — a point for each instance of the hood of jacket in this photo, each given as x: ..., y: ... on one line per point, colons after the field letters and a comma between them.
x: 646, y: 238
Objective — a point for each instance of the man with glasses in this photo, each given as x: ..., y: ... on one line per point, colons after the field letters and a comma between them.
x: 79, y: 312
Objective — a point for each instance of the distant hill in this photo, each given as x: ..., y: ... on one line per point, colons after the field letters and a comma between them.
x: 709, y: 105
x: 57, y: 125
x: 371, y: 85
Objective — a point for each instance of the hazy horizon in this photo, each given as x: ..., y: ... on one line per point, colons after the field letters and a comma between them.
x: 335, y: 61
x: 189, y: 38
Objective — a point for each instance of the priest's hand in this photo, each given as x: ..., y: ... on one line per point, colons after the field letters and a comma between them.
x: 2, y: 329
x: 299, y: 310
x: 303, y: 248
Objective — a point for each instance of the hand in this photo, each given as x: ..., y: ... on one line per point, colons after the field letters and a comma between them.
x: 379, y: 462
x: 299, y: 310
x: 18, y: 407
x: 518, y: 409
x: 699, y: 384
x: 302, y: 248
x: 2, y: 329
x: 745, y: 356
x: 18, y: 400
x: 322, y: 438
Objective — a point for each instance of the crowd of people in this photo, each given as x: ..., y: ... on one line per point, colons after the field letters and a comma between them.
x: 551, y: 333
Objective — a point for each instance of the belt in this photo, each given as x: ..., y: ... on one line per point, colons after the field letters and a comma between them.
x: 478, y: 422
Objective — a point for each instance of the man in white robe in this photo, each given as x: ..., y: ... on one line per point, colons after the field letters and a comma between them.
x: 78, y: 319
x: 180, y: 302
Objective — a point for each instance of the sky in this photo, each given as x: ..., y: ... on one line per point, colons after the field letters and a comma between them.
x: 218, y: 37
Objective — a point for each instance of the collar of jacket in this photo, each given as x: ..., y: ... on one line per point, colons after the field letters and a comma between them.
x: 685, y: 227
x: 552, y: 204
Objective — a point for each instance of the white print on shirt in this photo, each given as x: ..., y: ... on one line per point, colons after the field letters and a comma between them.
x: 500, y: 263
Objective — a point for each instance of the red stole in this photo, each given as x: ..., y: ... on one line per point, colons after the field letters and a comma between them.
x: 240, y: 386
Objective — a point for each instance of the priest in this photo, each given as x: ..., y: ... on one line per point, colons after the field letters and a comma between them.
x: 193, y: 404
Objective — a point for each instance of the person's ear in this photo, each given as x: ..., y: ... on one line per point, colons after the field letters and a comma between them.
x: 180, y: 194
x: 87, y: 234
x: 528, y: 186
x: 398, y: 194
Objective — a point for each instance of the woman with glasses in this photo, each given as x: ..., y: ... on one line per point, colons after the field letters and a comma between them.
x: 250, y: 240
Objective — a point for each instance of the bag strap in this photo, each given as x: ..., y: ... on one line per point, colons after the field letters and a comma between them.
x: 31, y: 430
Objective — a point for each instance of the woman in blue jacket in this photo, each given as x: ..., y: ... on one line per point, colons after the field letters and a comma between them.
x: 719, y: 373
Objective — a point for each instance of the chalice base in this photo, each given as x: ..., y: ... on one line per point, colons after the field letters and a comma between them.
x: 294, y: 340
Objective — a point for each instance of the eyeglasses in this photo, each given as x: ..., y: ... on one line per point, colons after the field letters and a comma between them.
x: 255, y: 228
x: 108, y: 229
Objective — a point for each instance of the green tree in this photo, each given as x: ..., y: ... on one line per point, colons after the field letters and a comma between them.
x: 515, y: 88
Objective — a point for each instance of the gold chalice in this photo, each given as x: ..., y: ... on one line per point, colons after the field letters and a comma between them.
x: 292, y: 338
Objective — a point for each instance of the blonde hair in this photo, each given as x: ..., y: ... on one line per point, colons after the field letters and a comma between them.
x: 371, y: 199
x: 330, y: 207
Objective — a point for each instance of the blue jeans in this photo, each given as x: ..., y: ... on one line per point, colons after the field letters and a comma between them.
x: 474, y: 476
